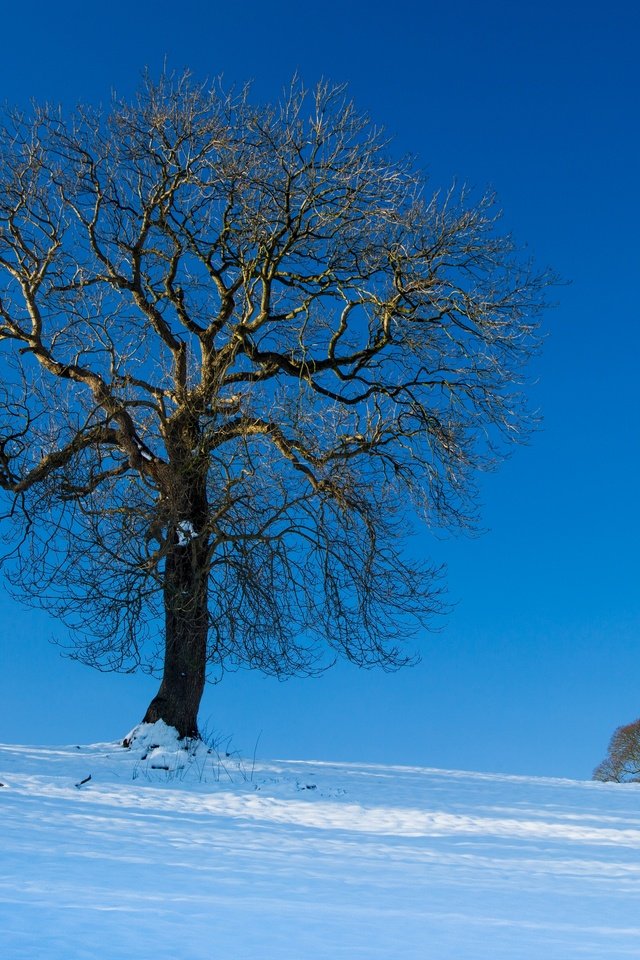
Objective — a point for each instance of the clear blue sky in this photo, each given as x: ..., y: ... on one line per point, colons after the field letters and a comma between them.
x: 540, y: 658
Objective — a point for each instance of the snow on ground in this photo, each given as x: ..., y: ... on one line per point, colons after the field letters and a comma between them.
x: 306, y: 861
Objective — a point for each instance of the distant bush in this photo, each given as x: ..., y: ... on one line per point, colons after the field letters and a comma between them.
x: 622, y: 763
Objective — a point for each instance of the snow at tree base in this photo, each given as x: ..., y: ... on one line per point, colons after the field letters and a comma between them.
x: 119, y: 854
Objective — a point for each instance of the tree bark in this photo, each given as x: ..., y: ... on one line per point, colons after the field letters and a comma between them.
x: 186, y: 627
x: 185, y: 587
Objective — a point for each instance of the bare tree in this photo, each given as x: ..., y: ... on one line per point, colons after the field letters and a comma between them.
x: 622, y: 763
x: 237, y: 344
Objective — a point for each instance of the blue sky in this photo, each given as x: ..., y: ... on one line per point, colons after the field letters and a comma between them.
x: 539, y: 659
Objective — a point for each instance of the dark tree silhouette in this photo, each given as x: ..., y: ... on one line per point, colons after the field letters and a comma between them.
x: 622, y: 763
x: 237, y: 344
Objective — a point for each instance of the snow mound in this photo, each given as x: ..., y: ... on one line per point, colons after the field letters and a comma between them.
x: 158, y: 753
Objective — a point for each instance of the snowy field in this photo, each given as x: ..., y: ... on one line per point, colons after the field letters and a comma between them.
x: 307, y: 861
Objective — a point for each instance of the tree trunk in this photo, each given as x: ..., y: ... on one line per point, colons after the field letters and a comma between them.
x: 186, y: 628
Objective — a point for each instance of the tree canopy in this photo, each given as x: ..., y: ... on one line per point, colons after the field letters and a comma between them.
x: 242, y: 346
x: 622, y: 763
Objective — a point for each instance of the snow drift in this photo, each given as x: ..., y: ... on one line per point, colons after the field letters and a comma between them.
x: 152, y: 851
